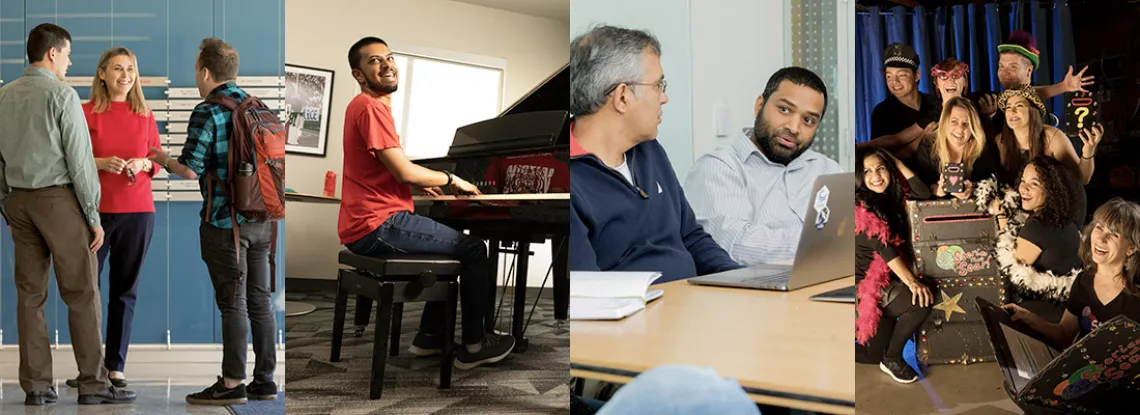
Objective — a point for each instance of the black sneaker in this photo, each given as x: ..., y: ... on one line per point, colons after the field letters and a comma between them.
x: 42, y: 397
x: 426, y: 345
x: 218, y: 395
x: 898, y: 370
x: 262, y: 391
x: 495, y: 348
x: 112, y: 395
x: 118, y: 383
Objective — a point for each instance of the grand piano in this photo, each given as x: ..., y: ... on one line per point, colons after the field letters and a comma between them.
x: 519, y: 160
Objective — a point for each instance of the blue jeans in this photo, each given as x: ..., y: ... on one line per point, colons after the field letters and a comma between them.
x: 679, y: 390
x: 406, y: 233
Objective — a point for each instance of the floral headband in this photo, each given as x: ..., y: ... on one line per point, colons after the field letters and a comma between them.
x: 1026, y: 91
x: 958, y: 72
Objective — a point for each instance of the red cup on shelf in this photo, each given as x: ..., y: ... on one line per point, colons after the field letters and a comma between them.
x: 330, y: 184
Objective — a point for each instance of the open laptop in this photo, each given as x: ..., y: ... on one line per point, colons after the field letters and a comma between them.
x: 826, y: 250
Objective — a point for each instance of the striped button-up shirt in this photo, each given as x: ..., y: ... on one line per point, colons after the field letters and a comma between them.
x: 207, y: 149
x: 44, y: 140
x: 753, y: 207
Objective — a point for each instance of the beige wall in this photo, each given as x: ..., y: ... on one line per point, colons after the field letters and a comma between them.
x: 318, y: 34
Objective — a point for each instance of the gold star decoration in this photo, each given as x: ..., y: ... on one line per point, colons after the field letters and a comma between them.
x: 950, y: 305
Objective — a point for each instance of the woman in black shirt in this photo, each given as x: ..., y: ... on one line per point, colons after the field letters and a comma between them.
x: 1025, y: 137
x: 960, y: 138
x: 891, y: 303
x: 1042, y: 260
x: 1110, y: 283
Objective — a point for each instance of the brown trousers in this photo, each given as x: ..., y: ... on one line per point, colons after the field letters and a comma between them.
x: 49, y: 227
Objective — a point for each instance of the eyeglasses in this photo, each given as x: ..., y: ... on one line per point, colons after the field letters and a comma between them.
x: 130, y: 178
x: 661, y: 86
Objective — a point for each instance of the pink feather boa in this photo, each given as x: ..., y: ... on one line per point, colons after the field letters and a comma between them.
x: 877, y: 276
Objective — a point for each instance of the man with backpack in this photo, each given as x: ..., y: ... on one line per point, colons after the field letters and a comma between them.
x: 235, y: 147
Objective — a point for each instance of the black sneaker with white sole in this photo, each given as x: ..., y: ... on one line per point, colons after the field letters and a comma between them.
x: 898, y: 370
x: 495, y: 347
x: 218, y: 395
x: 426, y: 345
x: 262, y: 391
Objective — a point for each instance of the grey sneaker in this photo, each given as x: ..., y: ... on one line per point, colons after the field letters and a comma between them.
x: 495, y: 348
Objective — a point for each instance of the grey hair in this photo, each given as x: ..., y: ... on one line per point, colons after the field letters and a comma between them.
x: 601, y: 59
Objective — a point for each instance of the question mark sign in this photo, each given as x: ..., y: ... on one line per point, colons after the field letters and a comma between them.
x: 1081, y: 112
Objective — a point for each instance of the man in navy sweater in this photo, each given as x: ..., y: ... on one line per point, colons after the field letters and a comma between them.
x: 627, y: 209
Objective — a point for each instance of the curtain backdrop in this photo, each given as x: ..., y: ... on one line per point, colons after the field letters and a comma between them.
x: 969, y: 33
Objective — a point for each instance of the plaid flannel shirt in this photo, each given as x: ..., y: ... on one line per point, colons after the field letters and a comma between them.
x: 207, y: 149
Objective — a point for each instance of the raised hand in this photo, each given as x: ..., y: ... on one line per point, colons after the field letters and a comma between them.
x: 1091, y: 137
x: 1075, y: 83
x: 988, y: 104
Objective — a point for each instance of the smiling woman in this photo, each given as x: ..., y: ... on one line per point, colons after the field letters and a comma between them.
x: 122, y: 132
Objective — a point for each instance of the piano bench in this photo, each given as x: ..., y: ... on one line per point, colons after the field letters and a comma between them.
x: 391, y: 281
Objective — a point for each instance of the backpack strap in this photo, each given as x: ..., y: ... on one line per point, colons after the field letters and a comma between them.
x: 273, y: 259
x: 225, y: 101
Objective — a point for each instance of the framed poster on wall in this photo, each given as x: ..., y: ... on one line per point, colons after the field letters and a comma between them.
x: 308, y: 100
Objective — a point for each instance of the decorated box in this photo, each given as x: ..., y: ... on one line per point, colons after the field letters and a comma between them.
x: 953, y: 246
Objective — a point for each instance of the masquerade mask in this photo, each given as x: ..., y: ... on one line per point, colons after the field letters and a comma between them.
x: 958, y: 72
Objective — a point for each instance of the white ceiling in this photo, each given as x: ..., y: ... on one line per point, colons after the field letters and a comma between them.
x: 551, y: 9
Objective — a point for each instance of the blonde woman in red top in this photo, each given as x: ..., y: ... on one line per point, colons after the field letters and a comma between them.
x: 122, y: 131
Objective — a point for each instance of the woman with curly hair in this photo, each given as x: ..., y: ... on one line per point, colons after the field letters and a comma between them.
x: 891, y: 303
x: 960, y: 138
x: 1108, y: 286
x: 1042, y: 261
x: 1025, y: 137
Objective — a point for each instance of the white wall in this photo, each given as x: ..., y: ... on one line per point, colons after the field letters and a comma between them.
x: 737, y: 46
x: 714, y: 52
x: 669, y: 21
x: 318, y: 34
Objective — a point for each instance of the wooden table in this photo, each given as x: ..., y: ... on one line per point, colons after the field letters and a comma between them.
x: 783, y: 348
x: 305, y: 197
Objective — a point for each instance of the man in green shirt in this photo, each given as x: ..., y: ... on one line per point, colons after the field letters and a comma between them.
x: 49, y: 196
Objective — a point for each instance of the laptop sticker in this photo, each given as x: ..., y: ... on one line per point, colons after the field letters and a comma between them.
x: 820, y: 204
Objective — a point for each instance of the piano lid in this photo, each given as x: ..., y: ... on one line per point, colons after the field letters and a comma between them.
x: 553, y: 93
x: 541, y: 119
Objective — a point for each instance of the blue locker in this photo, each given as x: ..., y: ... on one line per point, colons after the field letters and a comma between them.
x: 90, y: 32
x: 193, y: 311
x: 256, y: 29
x: 12, y: 35
x: 191, y: 22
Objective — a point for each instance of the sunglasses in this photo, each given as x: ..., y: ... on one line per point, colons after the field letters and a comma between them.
x: 130, y: 178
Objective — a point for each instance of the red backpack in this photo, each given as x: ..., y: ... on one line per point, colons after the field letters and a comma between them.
x: 256, y: 182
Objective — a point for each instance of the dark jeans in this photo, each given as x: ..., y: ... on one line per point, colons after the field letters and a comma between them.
x: 237, y: 284
x: 900, y: 321
x: 406, y: 233
x: 126, y: 239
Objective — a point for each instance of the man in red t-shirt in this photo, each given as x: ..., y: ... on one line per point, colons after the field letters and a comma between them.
x: 376, y: 209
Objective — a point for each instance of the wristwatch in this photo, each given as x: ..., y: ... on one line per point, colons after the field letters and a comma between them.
x: 450, y: 178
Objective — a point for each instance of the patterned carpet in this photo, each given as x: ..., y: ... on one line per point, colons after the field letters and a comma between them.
x: 534, y: 382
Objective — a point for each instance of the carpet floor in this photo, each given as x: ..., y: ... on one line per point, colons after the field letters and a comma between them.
x: 533, y: 382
